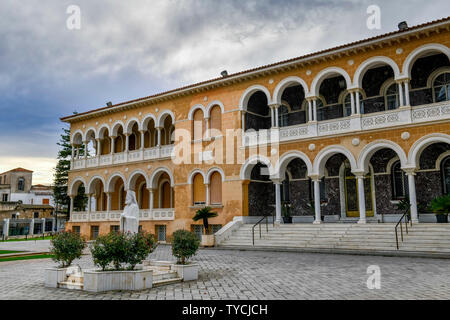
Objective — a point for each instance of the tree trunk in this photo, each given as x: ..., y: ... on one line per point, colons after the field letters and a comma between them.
x: 205, y: 224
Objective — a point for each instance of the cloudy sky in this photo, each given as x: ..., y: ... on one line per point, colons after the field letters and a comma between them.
x: 130, y: 49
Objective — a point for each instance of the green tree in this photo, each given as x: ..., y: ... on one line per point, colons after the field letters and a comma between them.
x: 204, y: 214
x: 61, y: 175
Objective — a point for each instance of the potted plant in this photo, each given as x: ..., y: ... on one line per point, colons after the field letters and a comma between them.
x: 184, y: 246
x: 204, y: 214
x: 65, y: 247
x: 441, y: 207
x: 117, y: 254
x: 286, y: 210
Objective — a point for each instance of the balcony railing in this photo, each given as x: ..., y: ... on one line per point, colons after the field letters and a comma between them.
x: 105, y: 216
x: 355, y: 123
x: 124, y: 157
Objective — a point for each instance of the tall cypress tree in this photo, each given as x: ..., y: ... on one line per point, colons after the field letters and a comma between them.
x: 60, y: 188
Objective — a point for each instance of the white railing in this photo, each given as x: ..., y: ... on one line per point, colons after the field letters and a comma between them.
x: 144, y: 215
x: 124, y: 157
x: 355, y: 123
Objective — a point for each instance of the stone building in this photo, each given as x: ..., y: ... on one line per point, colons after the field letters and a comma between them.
x: 338, y: 135
x: 17, y: 185
x: 25, y: 208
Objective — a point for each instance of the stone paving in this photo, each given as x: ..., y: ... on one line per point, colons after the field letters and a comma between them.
x: 230, y: 274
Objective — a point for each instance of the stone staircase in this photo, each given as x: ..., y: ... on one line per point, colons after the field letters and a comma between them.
x: 372, y: 238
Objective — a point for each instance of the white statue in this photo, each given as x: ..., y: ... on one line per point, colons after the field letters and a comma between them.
x: 129, y: 219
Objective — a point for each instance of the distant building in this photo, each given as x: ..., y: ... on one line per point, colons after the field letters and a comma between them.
x: 26, y: 209
x: 16, y: 185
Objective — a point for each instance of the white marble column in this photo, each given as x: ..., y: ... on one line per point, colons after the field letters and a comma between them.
x: 272, y: 117
x: 407, y: 101
x: 277, y: 202
x: 150, y: 200
x: 400, y: 93
x: 159, y: 129
x: 277, y: 120
x: 357, y: 104
x: 410, y: 173
x: 361, y: 198
x: 243, y: 120
x: 317, y: 219
x: 72, y: 198
x: 113, y: 145
x: 310, y: 111
x: 142, y: 140
x: 352, y: 102
x: 127, y: 142
x: 108, y: 201
x: 99, y: 150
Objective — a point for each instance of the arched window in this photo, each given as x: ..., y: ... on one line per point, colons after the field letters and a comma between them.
x: 199, y: 191
x: 216, y: 120
x: 441, y: 87
x: 445, y: 171
x: 391, y: 97
x: 165, y: 195
x: 399, y: 182
x: 198, y: 125
x: 216, y: 188
x: 21, y: 184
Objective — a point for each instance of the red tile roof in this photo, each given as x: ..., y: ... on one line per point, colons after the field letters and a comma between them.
x: 311, y: 55
x: 17, y: 170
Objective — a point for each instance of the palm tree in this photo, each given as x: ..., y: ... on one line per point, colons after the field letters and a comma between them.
x: 204, y: 213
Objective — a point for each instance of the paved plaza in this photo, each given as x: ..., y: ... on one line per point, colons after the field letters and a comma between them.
x: 229, y: 274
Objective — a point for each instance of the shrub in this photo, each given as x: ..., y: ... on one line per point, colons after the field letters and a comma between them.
x: 184, y: 245
x: 441, y: 205
x: 100, y: 251
x: 121, y: 248
x: 138, y: 249
x: 66, y: 247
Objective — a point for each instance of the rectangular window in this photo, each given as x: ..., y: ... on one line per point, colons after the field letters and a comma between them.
x: 5, y: 197
x: 198, y: 230
x: 115, y: 229
x: 76, y: 229
x: 45, y: 201
x: 215, y: 228
x: 37, y: 228
x: 161, y: 233
x: 48, y: 226
x: 13, y: 216
x: 36, y: 215
x: 94, y: 232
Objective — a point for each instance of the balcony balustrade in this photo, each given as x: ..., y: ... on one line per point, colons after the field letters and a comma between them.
x: 114, y: 216
x: 355, y: 123
x: 124, y: 157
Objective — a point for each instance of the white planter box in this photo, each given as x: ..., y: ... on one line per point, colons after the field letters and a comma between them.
x: 188, y: 272
x: 99, y: 281
x: 207, y: 240
x: 53, y: 276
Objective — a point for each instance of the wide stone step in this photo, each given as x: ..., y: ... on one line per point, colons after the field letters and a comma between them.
x: 71, y: 285
x: 164, y: 282
x: 164, y: 275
